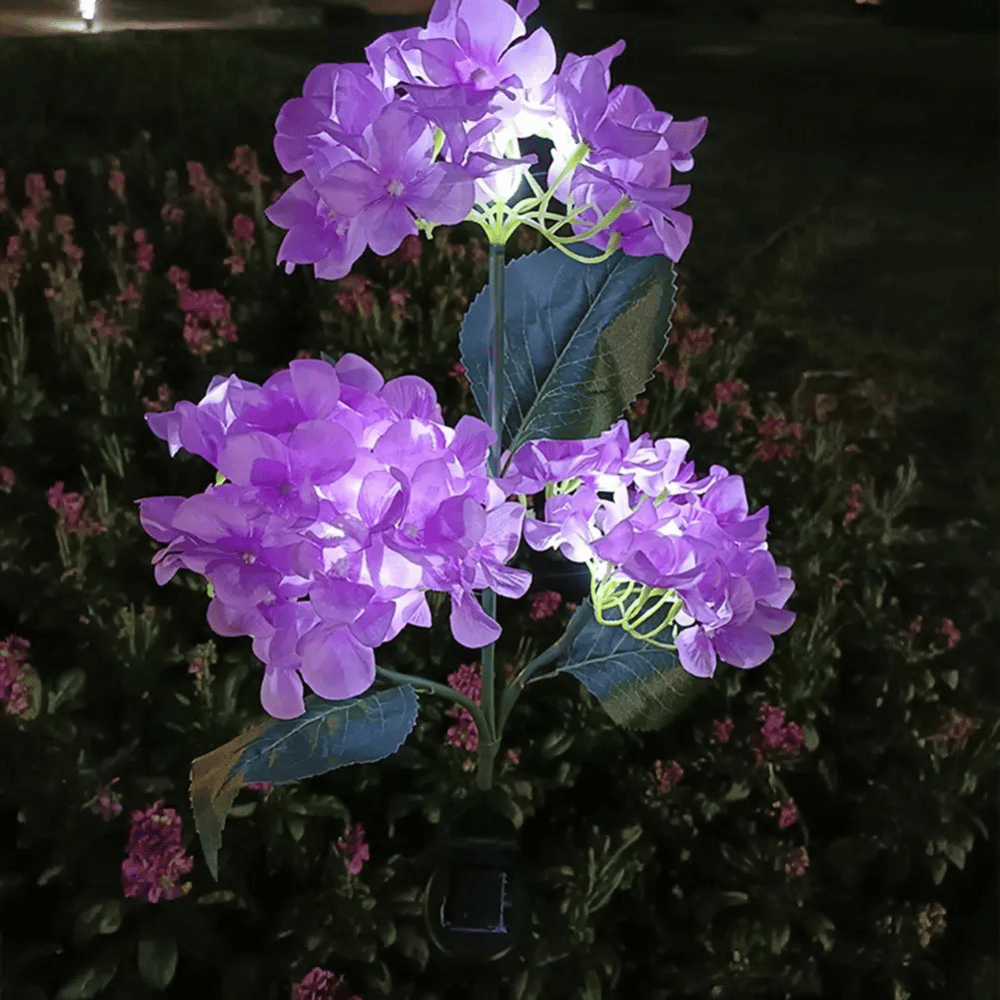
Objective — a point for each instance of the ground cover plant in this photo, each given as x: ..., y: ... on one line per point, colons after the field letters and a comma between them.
x: 803, y: 831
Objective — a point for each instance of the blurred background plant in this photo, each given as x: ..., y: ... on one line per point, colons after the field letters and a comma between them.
x: 815, y: 827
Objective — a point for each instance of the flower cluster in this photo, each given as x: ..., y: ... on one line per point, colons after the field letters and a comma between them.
x: 348, y: 498
x: 667, y: 776
x: 13, y: 695
x: 353, y: 845
x: 786, y: 812
x: 466, y: 680
x: 796, y: 862
x: 369, y: 138
x: 107, y: 803
x: 156, y: 859
x: 69, y: 507
x: 321, y: 984
x: 775, y: 736
x: 635, y: 513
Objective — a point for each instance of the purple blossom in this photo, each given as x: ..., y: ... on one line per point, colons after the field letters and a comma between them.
x: 363, y: 136
x: 348, y: 499
x: 640, y: 514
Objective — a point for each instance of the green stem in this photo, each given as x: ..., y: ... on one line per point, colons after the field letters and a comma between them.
x: 489, y: 745
x: 580, y: 618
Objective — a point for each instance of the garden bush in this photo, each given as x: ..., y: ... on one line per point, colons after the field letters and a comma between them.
x: 801, y: 831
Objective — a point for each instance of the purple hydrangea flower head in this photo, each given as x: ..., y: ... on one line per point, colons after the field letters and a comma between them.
x: 648, y: 520
x: 349, y: 498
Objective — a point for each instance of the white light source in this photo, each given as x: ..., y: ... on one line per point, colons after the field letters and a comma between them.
x: 87, y: 9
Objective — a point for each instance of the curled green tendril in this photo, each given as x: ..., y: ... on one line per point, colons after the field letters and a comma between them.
x: 614, y: 594
x: 499, y: 221
x: 566, y: 486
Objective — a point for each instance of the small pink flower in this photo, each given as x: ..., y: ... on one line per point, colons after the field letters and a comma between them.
x: 63, y: 224
x: 235, y: 263
x: 725, y: 391
x: 916, y: 625
x: 198, y: 178
x: 35, y: 190
x: 178, y: 277
x: 260, y: 786
x: 108, y: 803
x: 353, y: 843
x: 171, y: 214
x: 766, y: 451
x: 131, y: 296
x: 59, y: 176
x: 322, y: 985
x: 788, y: 813
x: 854, y: 504
x: 355, y: 296
x: 947, y: 629
x: 544, y: 604
x: 6, y: 479
x: 117, y: 232
x: 956, y: 726
x: 244, y: 163
x: 139, y: 236
x: 708, y: 419
x: 398, y: 298
x: 696, y: 342
x: 144, y: 257
x: 513, y: 757
x: 243, y: 227
x: 29, y: 220
x: 667, y: 777
x: 775, y: 735
x: 770, y: 426
x: 796, y: 862
x: 640, y: 407
x: 116, y: 183
x: 723, y: 731
x: 73, y: 251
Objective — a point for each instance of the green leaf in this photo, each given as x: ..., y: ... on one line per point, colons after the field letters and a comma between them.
x: 330, y: 734
x: 955, y: 854
x: 69, y: 685
x: 157, y: 960
x: 592, y: 986
x: 938, y: 867
x: 413, y: 945
x: 780, y: 937
x: 90, y: 981
x: 738, y: 791
x: 637, y: 684
x: 810, y: 738
x: 101, y: 918
x: 580, y: 341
